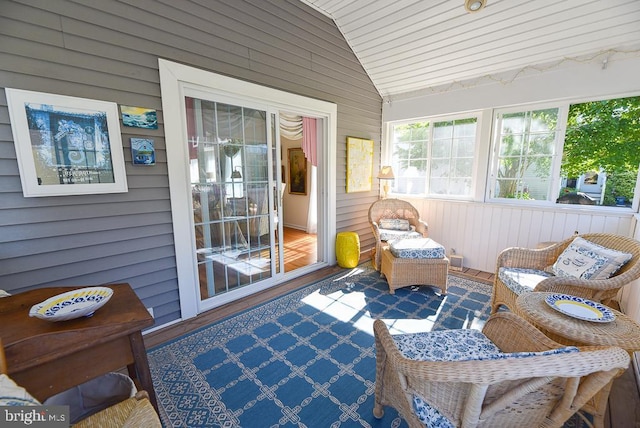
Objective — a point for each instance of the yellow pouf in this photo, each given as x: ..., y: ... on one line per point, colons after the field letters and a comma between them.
x: 348, y: 249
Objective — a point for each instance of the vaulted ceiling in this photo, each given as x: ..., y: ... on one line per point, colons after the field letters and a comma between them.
x: 409, y: 46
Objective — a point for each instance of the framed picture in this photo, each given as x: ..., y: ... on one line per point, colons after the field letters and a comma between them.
x: 66, y: 145
x: 142, y: 151
x: 139, y: 117
x: 297, y: 172
x: 359, y: 164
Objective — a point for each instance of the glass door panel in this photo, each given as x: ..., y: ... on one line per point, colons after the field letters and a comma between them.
x: 229, y: 173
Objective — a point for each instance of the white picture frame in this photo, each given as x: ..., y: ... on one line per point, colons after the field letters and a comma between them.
x: 66, y: 145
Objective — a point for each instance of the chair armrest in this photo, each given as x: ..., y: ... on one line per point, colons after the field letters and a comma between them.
x: 552, y: 284
x: 422, y: 227
x: 528, y: 258
x: 376, y: 230
x: 512, y: 333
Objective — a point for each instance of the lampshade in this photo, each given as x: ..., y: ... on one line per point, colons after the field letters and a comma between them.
x: 236, y: 174
x: 386, y: 173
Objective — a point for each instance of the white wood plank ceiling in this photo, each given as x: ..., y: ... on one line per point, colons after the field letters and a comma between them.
x: 407, y: 46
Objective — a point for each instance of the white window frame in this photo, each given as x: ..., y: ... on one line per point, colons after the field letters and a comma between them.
x: 477, y: 182
x: 174, y: 79
x: 563, y: 113
x: 557, y: 155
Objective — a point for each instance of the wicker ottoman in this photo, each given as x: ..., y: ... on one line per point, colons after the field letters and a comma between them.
x: 401, y: 272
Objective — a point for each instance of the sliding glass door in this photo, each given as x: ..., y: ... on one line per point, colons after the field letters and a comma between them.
x: 232, y: 163
x: 225, y: 182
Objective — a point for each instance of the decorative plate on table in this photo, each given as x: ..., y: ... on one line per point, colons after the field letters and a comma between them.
x: 580, y: 308
x: 72, y: 304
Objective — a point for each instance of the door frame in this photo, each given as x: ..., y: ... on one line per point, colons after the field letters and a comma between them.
x: 173, y: 78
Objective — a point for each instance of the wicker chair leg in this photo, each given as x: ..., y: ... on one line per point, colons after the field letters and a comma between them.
x: 378, y: 410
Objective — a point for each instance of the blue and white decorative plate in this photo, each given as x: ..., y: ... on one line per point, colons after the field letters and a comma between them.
x: 580, y: 308
x: 72, y: 304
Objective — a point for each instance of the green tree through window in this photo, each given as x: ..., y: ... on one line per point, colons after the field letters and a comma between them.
x: 604, y: 136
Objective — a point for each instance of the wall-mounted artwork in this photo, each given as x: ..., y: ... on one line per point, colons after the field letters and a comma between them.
x: 142, y: 151
x: 359, y: 164
x: 66, y: 145
x: 297, y: 172
x: 139, y: 117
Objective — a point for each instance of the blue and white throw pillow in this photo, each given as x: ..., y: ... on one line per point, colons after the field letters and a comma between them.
x: 584, y: 259
x: 395, y: 224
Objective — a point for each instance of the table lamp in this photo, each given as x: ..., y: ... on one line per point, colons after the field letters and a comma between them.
x: 385, y: 174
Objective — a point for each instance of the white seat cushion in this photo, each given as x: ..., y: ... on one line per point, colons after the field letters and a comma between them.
x: 521, y: 280
x: 391, y: 234
x: 423, y: 248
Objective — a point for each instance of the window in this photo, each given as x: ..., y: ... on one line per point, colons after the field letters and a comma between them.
x: 601, y: 152
x: 434, y: 157
x: 592, y: 160
x: 526, y: 149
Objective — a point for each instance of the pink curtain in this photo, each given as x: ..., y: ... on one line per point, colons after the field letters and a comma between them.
x: 310, y: 140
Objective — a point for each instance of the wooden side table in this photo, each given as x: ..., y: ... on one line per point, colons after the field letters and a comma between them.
x: 622, y: 332
x: 50, y: 357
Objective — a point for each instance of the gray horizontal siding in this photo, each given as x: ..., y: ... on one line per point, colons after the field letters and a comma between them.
x: 108, y: 50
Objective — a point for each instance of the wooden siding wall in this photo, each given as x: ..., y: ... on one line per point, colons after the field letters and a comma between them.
x: 479, y: 231
x: 108, y: 50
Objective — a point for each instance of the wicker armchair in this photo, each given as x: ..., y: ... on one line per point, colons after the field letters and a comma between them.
x: 534, y: 391
x: 392, y: 209
x: 601, y: 290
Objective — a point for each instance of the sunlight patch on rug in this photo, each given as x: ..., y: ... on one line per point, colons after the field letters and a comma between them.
x: 305, y: 359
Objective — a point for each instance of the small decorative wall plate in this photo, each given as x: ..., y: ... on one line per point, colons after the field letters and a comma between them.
x: 72, y: 304
x: 580, y: 308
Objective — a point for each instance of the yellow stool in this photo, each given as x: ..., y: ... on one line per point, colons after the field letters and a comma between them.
x: 348, y: 249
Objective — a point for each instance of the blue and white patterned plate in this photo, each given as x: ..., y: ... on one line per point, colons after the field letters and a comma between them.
x: 580, y: 308
x: 72, y: 304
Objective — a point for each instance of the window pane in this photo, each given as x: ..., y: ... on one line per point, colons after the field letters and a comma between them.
x: 463, y: 147
x: 440, y: 168
x: 434, y: 158
x: 542, y: 143
x: 452, y: 157
x: 441, y: 148
x: 512, y: 144
x: 462, y: 168
x: 525, y: 155
x: 601, y: 156
x: 410, y: 147
x: 443, y: 130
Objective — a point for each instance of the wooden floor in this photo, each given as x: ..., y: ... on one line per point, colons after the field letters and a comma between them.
x: 300, y: 248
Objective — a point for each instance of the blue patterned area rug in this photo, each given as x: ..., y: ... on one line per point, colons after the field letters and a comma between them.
x: 306, y: 359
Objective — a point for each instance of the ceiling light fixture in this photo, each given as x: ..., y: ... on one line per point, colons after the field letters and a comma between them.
x: 474, y: 5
